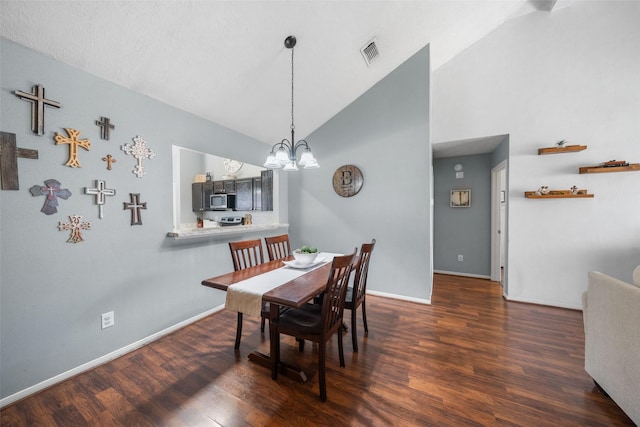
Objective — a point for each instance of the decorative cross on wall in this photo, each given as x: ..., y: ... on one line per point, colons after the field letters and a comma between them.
x: 135, y: 206
x: 139, y: 151
x: 101, y: 192
x: 52, y: 190
x: 38, y: 102
x: 9, y: 154
x: 75, y: 226
x: 73, y: 142
x: 105, y: 127
x: 110, y: 160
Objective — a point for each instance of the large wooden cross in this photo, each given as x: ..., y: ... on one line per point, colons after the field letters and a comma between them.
x: 9, y: 154
x: 105, y: 127
x: 73, y: 142
x: 101, y: 192
x: 38, y: 102
x: 135, y: 206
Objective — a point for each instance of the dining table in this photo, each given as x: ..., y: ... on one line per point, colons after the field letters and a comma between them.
x: 283, y: 289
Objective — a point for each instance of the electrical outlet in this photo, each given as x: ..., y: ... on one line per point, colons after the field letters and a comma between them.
x: 460, y: 258
x: 108, y: 320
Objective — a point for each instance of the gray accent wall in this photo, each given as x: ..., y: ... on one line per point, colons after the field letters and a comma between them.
x: 385, y: 133
x: 462, y: 231
x: 53, y: 292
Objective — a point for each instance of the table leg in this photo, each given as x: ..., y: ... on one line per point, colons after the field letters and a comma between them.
x: 273, y: 362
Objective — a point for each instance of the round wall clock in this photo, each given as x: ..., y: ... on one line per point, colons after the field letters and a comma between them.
x: 232, y: 166
x: 347, y: 180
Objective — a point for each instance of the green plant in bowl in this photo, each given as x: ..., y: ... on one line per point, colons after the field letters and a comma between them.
x: 305, y: 255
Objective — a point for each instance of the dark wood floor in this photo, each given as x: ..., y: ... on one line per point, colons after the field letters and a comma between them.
x: 470, y: 358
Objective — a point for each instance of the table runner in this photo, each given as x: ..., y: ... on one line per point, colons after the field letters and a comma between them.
x: 246, y: 296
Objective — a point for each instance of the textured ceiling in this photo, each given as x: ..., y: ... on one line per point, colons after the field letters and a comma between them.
x: 225, y: 60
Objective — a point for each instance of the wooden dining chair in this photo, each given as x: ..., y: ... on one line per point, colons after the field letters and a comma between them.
x: 278, y: 247
x: 356, y: 294
x: 245, y: 254
x: 317, y: 323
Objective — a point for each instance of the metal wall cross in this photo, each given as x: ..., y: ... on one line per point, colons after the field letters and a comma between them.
x: 73, y: 142
x: 101, y: 192
x: 38, y: 102
x: 139, y: 151
x: 9, y: 154
x: 52, y: 190
x: 135, y: 206
x: 105, y: 127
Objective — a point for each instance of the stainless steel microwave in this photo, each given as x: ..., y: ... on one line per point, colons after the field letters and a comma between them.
x: 222, y: 202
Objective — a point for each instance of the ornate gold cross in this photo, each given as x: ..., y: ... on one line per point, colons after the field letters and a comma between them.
x: 73, y: 142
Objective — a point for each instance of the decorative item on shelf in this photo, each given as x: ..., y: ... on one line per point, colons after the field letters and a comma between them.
x: 542, y: 190
x: 139, y: 151
x: 562, y: 143
x: 105, y: 127
x: 101, y: 192
x: 135, y: 206
x: 574, y: 192
x: 9, y: 154
x: 347, y: 180
x: 200, y: 177
x: 110, y: 161
x: 52, y: 190
x: 611, y: 166
x: 38, y: 102
x: 460, y: 199
x: 75, y: 225
x: 73, y: 142
x: 284, y: 153
x: 208, y: 177
x: 248, y: 220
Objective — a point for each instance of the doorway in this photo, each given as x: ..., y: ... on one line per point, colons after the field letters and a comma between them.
x: 499, y: 224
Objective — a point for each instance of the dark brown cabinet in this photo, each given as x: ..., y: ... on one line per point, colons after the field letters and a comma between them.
x: 244, y: 194
x: 251, y: 194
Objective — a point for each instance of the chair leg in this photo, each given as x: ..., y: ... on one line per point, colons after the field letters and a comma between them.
x: 354, y: 335
x: 341, y: 350
x: 300, y: 344
x: 321, y: 370
x: 274, y: 338
x: 262, y: 325
x: 364, y: 317
x: 238, y: 332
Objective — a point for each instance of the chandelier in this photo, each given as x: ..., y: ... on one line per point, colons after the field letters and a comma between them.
x: 284, y: 154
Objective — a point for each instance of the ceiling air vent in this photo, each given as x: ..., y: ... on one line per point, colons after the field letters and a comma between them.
x: 370, y: 52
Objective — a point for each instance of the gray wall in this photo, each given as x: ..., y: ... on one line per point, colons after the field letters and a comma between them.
x: 53, y: 292
x: 462, y: 231
x: 385, y: 134
x: 569, y: 74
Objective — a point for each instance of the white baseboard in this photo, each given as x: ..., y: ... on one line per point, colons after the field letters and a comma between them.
x: 547, y: 303
x: 103, y: 359
x: 400, y: 297
x: 455, y: 273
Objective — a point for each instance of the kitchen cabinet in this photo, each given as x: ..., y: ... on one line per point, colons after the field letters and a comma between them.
x: 244, y: 194
x: 266, y: 185
x: 257, y: 194
x: 201, y: 196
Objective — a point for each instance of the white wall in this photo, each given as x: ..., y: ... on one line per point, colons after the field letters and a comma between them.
x: 571, y: 74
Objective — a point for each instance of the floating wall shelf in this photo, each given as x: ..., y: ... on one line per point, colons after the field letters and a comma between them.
x: 558, y: 150
x: 558, y: 194
x: 601, y: 169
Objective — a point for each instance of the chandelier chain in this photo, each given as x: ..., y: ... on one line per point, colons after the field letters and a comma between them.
x: 292, y: 125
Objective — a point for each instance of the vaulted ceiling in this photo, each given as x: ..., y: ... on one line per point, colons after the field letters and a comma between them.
x: 225, y: 60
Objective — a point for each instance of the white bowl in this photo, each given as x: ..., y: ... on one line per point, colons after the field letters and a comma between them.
x: 304, y: 258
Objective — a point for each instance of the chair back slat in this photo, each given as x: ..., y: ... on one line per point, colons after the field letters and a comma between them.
x: 362, y: 271
x: 246, y: 253
x: 278, y: 247
x: 336, y: 291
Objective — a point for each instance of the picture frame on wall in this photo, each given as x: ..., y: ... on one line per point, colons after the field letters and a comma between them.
x: 460, y: 199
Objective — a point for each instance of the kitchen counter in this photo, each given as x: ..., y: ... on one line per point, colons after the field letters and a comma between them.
x: 195, y: 233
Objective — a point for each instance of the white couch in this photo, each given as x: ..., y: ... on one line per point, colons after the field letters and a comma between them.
x: 611, y: 310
